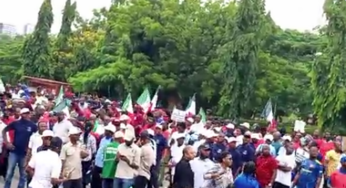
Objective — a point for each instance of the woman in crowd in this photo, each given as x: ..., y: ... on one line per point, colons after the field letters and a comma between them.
x: 247, y: 178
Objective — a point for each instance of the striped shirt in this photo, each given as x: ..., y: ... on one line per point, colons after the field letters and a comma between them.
x: 154, y: 147
x: 301, y: 155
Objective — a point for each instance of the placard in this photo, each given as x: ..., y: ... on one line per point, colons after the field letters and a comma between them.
x: 178, y: 115
x: 299, y: 126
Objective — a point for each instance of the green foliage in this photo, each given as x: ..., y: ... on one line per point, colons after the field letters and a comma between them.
x: 36, y: 53
x: 232, y: 55
x: 329, y: 70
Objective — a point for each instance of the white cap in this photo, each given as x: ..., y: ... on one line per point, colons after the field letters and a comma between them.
x: 211, y: 134
x: 24, y: 111
x: 190, y: 120
x: 158, y: 126
x: 73, y: 130
x: 128, y: 136
x: 47, y: 133
x: 151, y: 132
x: 110, y: 127
x: 122, y: 126
x: 287, y: 137
x: 255, y: 135
x: 217, y: 129
x: 268, y: 137
x: 231, y: 139
x: 124, y: 117
x: 119, y: 134
x: 245, y: 124
x: 248, y: 133
x: 230, y: 126
x: 179, y: 135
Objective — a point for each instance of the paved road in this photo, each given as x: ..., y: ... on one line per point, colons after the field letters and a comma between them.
x: 16, y: 178
x: 14, y: 181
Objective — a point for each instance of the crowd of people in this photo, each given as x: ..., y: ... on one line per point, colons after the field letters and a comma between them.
x: 94, y: 144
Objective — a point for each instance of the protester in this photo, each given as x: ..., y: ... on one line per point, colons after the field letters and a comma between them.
x: 39, y: 168
x: 311, y: 171
x: 201, y: 165
x: 247, y: 178
x: 147, y: 158
x: 184, y: 176
x: 129, y: 160
x: 103, y: 146
x: 71, y: 156
x: 220, y: 175
x: 110, y: 161
x: 22, y: 129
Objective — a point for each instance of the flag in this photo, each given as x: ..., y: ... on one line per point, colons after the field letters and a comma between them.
x: 154, y: 100
x: 2, y: 86
x: 191, y: 107
x: 203, y: 115
x: 144, y: 100
x: 269, y: 115
x: 127, y: 105
x: 63, y: 106
x: 60, y: 96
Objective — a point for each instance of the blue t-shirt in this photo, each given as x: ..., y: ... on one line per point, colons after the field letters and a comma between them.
x: 245, y: 181
x: 217, y: 149
x: 247, y: 152
x: 161, y: 145
x: 310, y: 171
x: 22, y: 129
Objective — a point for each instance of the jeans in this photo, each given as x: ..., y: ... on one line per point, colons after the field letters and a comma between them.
x: 122, y: 183
x: 13, y: 161
x: 107, y: 183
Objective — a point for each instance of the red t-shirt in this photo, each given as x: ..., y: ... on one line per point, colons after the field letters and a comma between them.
x: 7, y: 121
x: 338, y: 179
x: 325, y: 147
x: 265, y: 166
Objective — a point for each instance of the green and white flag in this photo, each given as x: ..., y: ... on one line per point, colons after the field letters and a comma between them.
x: 127, y: 104
x: 60, y: 96
x: 144, y: 100
x: 2, y: 86
x: 203, y: 115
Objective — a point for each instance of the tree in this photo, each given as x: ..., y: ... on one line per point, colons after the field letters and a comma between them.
x: 63, y: 50
x: 329, y: 71
x: 240, y: 55
x: 36, y: 50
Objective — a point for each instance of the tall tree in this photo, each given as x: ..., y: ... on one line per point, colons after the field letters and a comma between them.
x: 62, y: 52
x: 240, y: 56
x: 36, y: 49
x: 69, y: 14
x: 329, y: 70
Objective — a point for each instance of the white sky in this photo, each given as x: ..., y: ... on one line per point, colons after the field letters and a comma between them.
x: 293, y: 14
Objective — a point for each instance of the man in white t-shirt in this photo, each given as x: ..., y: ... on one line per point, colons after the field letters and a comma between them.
x: 284, y: 172
x: 62, y: 127
x: 45, y: 173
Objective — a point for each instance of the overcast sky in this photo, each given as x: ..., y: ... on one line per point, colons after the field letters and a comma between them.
x: 293, y: 14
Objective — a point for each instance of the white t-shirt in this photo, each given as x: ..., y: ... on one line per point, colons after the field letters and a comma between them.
x: 35, y: 141
x: 61, y: 130
x: 47, y: 165
x: 199, y: 168
x: 285, y: 177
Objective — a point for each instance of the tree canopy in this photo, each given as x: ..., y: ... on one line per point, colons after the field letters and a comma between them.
x: 232, y: 55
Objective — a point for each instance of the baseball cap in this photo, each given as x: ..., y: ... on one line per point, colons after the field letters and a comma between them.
x: 231, y: 139
x: 204, y: 147
x: 56, y: 142
x: 144, y: 134
x: 128, y: 136
x: 24, y: 111
x: 73, y: 130
x: 47, y: 133
x: 118, y: 134
x: 110, y: 127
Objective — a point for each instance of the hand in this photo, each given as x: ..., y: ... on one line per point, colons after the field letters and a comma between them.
x: 10, y: 146
x: 125, y: 159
